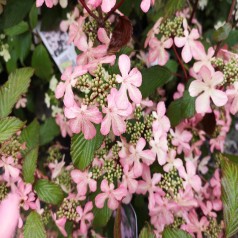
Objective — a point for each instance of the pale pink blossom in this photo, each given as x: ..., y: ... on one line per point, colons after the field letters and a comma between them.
x: 130, y: 81
x: 10, y: 169
x: 129, y: 180
x: 138, y: 157
x: 191, y: 47
x: 85, y: 217
x: 161, y: 121
x: 145, y: 5
x: 115, y: 115
x: 159, y: 146
x: 180, y: 91
x: 216, y: 184
x: 65, y: 24
x: 76, y: 33
x: 103, y: 37
x: 56, y: 168
x: 190, y: 176
x: 21, y: 103
x: 63, y: 124
x: 69, y: 77
x: 106, y: 5
x: 9, y: 215
x: 82, y: 119
x: 60, y: 223
x: 83, y: 181
x: 114, y: 196
x: 48, y: 3
x: 207, y: 209
x: 206, y: 88
x: 157, y: 52
x: 149, y: 184
x: 203, y: 59
x: 232, y: 94
x: 172, y: 162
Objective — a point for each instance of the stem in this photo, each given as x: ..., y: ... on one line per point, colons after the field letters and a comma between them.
x: 180, y: 62
x: 195, y: 5
x: 228, y: 20
x: 117, y: 224
x: 118, y: 5
x: 88, y: 10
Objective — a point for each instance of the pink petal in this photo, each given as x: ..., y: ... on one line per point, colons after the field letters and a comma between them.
x: 60, y: 89
x: 100, y: 200
x: 202, y: 103
x: 69, y: 96
x: 124, y: 65
x: 88, y: 130
x: 140, y: 144
x: 219, y: 97
x: 106, y: 125
x: 113, y: 203
x: 186, y: 53
x: 196, y: 87
x: 180, y: 41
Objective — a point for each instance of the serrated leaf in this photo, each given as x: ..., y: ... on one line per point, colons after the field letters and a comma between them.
x: 33, y: 16
x: 172, y: 233
x: 30, y: 135
x: 14, y: 12
x: 181, y: 109
x: 82, y: 150
x: 101, y: 216
x: 11, y: 91
x: 48, y: 131
x: 23, y: 45
x: 34, y: 227
x: 172, y: 6
x: 29, y: 165
x: 17, y: 29
x: 222, y: 32
x: 230, y: 196
x: 42, y: 63
x: 49, y: 192
x: 152, y: 78
x: 9, y: 126
x: 147, y: 232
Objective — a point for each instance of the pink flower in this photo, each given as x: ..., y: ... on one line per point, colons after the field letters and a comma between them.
x: 114, y: 196
x: 106, y: 5
x: 64, y: 25
x: 9, y: 168
x: 65, y: 89
x: 129, y: 180
x: 157, y: 52
x: 161, y: 121
x: 216, y: 184
x: 89, y: 53
x: 60, y: 223
x: 56, y: 168
x: 138, y: 156
x: 76, y: 33
x: 181, y: 139
x: 191, y: 46
x: 85, y: 217
x: 190, y: 176
x: 180, y: 91
x: 103, y: 37
x: 83, y: 181
x: 9, y: 215
x: 21, y: 103
x: 205, y: 87
x: 150, y: 184
x: 130, y: 81
x: 81, y: 119
x: 115, y: 115
x: 63, y: 124
x: 172, y: 161
x: 49, y: 3
x: 203, y: 59
x: 232, y: 94
x: 160, y: 146
x: 145, y: 5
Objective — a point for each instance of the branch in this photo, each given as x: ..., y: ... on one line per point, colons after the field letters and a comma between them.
x: 118, y: 5
x: 228, y: 20
x: 195, y: 5
x: 88, y: 10
x: 180, y: 62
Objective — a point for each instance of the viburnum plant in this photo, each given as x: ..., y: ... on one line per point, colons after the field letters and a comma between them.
x: 142, y: 118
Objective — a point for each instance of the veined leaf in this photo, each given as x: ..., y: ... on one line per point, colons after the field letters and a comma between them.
x: 11, y: 91
x: 147, y: 232
x: 9, y: 126
x: 17, y: 29
x: 172, y: 233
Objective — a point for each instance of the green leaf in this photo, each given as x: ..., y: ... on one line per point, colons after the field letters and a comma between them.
x: 41, y: 62
x: 233, y: 158
x: 17, y: 29
x: 230, y: 196
x: 33, y: 16
x: 14, y: 12
x: 29, y: 165
x: 101, y: 216
x: 48, y: 131
x: 30, y: 135
x: 172, y: 233
x: 147, y: 232
x: 172, y: 6
x: 11, y: 91
x: 34, y: 227
x: 23, y: 45
x: 154, y: 77
x: 49, y: 192
x: 8, y: 127
x: 82, y: 150
x: 181, y: 109
x: 222, y: 32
